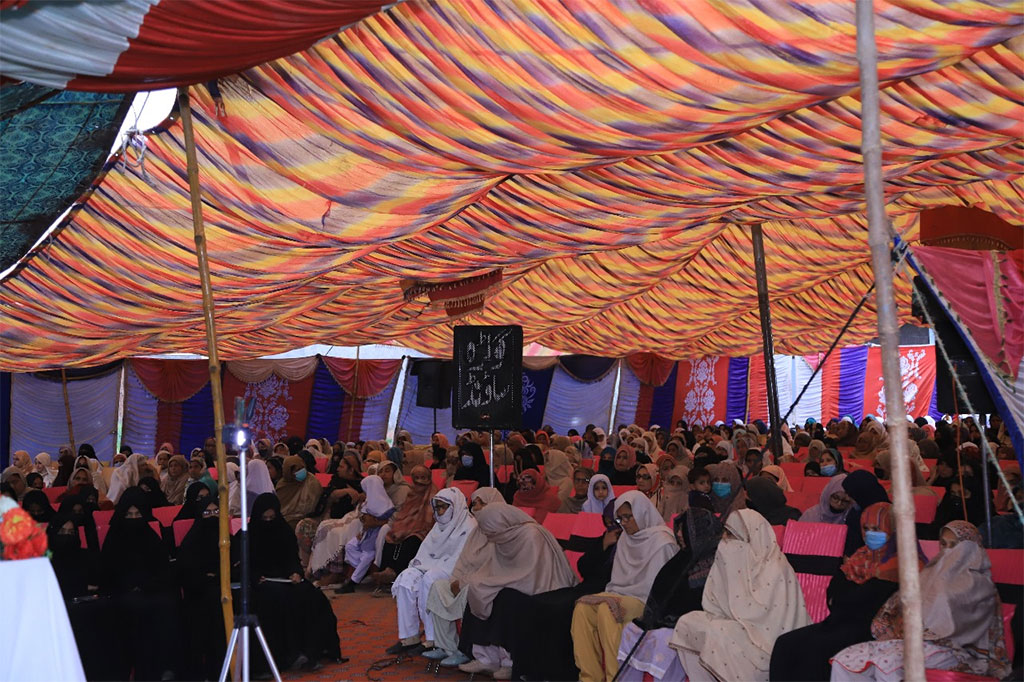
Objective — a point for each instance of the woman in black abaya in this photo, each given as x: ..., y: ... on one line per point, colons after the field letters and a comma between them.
x: 144, y: 601
x: 297, y: 619
x: 198, y: 563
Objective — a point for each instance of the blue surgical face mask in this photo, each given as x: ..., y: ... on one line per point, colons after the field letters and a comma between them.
x: 300, y: 475
x: 828, y: 470
x: 467, y: 460
x: 875, y: 539
x: 117, y: 464
x: 721, y: 488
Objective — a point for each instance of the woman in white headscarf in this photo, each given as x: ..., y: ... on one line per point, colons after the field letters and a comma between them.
x: 645, y: 545
x: 598, y: 496
x: 434, y: 561
x: 257, y: 481
x: 43, y: 462
x: 525, y: 557
x: 361, y: 550
x: 751, y: 597
x: 234, y: 490
x: 126, y: 476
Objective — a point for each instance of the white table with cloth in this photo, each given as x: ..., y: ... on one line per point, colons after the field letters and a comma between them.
x: 36, y: 641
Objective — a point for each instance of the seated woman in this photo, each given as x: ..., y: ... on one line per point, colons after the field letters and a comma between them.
x: 361, y: 551
x: 198, y: 564
x: 37, y: 505
x: 395, y: 484
x: 410, y: 524
x: 599, y: 494
x: 751, y: 597
x: 863, y: 583
x: 674, y: 495
x: 865, y: 490
x: 446, y: 600
x: 624, y: 466
x: 337, y: 501
x: 473, y: 465
x: 298, y: 490
x: 434, y: 560
x: 536, y: 629
x: 648, y: 480
x: 727, y: 493
x: 297, y: 619
x: 144, y: 598
x: 534, y: 492
x: 960, y: 610
x: 833, y: 504
x: 645, y: 546
x: 576, y: 497
x: 524, y: 556
x: 176, y: 480
x: 766, y: 498
x: 677, y: 589
x: 558, y: 472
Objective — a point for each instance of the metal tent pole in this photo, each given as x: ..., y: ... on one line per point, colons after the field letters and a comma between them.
x: 757, y: 237
x: 211, y: 343
x: 888, y: 334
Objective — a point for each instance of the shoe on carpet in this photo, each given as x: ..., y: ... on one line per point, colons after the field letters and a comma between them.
x: 474, y: 666
x: 435, y: 654
x: 455, y: 660
x: 347, y: 587
x: 502, y: 674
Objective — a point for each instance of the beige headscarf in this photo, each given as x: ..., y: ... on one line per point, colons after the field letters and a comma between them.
x: 751, y: 597
x: 22, y: 462
x: 174, y: 488
x: 525, y: 557
x: 673, y: 498
x: 557, y: 471
x: 478, y: 549
x: 640, y: 556
x: 125, y: 476
x: 872, y: 438
x: 815, y: 450
x: 780, y: 475
x: 298, y: 498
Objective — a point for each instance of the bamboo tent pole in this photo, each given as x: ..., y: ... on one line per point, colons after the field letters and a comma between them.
x: 67, y: 409
x: 888, y: 334
x: 211, y: 342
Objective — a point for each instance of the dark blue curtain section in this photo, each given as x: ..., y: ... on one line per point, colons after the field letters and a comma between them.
x: 587, y: 368
x: 933, y: 407
x: 196, y: 420
x: 736, y: 398
x: 536, y: 385
x: 325, y: 406
x: 5, y: 419
x: 664, y: 401
x: 853, y: 365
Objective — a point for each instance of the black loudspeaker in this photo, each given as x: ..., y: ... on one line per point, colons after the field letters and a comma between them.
x: 947, y: 398
x: 488, y: 391
x: 434, y: 388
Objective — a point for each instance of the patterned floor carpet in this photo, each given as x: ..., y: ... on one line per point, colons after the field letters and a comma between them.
x: 367, y: 625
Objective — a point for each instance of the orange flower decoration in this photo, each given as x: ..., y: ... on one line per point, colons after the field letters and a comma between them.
x: 21, y: 536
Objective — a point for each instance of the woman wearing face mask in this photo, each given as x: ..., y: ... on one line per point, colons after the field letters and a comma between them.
x: 865, y: 490
x: 410, y: 524
x: 727, y: 493
x: 434, y: 561
x: 298, y: 490
x: 447, y: 598
x: 198, y: 564
x: 645, y: 546
x: 473, y: 466
x: 136, y: 576
x: 751, y: 597
x: 863, y: 583
x: 297, y: 618
x: 831, y: 463
x: 833, y: 504
x: 960, y: 611
x: 534, y: 492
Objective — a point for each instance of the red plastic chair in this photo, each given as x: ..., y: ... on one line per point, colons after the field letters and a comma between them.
x: 587, y: 463
x: 588, y: 525
x: 620, y: 489
x: 574, y: 559
x: 102, y: 518
x: 321, y: 463
x: 794, y: 470
x: 53, y: 493
x: 502, y: 473
x: 165, y: 515
x: 467, y: 488
x: 560, y: 525
x: 531, y: 511
x: 1006, y: 566
x: 438, y: 476
x: 324, y: 479
x: 814, y: 539
x: 953, y: 676
x: 930, y: 548
x: 813, y: 485
x: 780, y: 533
x: 802, y: 500
x: 924, y: 508
x: 181, y: 529
x: 213, y: 473
x: 235, y: 524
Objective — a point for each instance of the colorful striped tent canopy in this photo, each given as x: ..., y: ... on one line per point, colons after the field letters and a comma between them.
x: 596, y: 165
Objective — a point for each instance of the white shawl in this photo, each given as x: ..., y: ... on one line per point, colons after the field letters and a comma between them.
x: 640, y: 556
x: 443, y: 544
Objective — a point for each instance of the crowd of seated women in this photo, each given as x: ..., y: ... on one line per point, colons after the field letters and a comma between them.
x: 687, y: 580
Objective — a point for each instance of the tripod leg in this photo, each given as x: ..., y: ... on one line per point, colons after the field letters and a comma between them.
x: 245, y: 654
x: 228, y: 654
x: 266, y: 652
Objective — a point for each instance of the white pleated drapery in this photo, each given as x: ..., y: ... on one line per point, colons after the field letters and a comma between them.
x: 140, y: 415
x: 629, y: 396
x: 573, y: 404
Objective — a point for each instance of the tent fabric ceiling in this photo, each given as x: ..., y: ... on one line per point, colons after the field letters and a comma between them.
x: 609, y: 157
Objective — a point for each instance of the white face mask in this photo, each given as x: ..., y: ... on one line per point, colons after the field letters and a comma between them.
x: 467, y: 460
